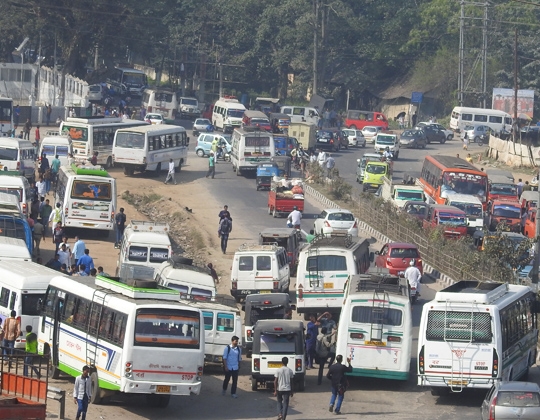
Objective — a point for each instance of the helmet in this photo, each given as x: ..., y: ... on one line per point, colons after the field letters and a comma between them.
x: 295, y: 208
x: 412, y: 262
x: 387, y: 148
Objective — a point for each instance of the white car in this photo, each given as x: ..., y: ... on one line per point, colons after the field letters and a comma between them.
x: 355, y: 137
x: 200, y: 125
x: 370, y: 131
x: 449, y: 134
x: 154, y: 118
x: 336, y: 222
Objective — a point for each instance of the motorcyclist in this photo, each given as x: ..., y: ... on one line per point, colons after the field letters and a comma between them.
x: 413, y: 276
x: 388, y: 155
x: 294, y: 218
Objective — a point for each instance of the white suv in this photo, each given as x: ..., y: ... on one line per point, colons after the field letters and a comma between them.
x: 335, y: 222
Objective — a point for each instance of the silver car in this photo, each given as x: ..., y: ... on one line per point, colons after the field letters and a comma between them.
x: 512, y: 400
x: 354, y: 137
x: 475, y: 132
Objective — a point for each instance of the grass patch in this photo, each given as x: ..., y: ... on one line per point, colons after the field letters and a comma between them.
x: 198, y: 240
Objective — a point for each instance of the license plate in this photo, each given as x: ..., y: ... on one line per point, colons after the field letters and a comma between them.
x: 458, y: 382
x: 375, y: 343
x: 163, y: 388
x: 88, y: 224
x: 328, y: 285
x: 375, y: 185
x: 275, y: 365
x: 323, y: 140
x: 265, y: 291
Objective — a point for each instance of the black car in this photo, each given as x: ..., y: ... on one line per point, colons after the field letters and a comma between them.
x: 413, y: 139
x: 433, y: 134
x: 328, y: 140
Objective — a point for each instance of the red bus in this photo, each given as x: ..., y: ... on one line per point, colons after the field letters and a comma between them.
x: 444, y: 175
x: 356, y: 120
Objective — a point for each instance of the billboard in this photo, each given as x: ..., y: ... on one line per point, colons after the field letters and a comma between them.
x: 503, y: 100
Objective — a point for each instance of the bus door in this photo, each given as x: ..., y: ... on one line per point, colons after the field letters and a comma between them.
x: 58, y: 311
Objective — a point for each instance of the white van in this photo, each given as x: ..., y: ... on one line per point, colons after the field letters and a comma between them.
x: 10, y: 205
x: 180, y: 274
x: 145, y: 244
x: 56, y: 145
x: 384, y: 140
x: 472, y: 206
x: 496, y: 120
x: 14, y: 249
x: 227, y: 113
x: 259, y: 269
x: 301, y: 114
x: 17, y: 155
x: 19, y: 187
x: 22, y: 285
x: 251, y: 146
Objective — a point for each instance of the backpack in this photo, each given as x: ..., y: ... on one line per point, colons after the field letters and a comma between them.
x: 225, y: 225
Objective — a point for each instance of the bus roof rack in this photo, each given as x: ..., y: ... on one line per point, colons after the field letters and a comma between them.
x: 257, y: 247
x: 472, y: 291
x: 226, y: 300
x: 378, y: 280
x: 137, y: 289
x: 89, y: 169
x: 147, y: 226
x: 341, y: 240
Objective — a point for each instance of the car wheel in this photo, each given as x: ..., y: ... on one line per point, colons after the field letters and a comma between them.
x: 443, y: 140
x: 200, y: 153
x: 478, y: 140
x: 449, y: 137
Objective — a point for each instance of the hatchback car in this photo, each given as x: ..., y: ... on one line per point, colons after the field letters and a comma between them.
x: 328, y: 140
x: 370, y: 131
x: 154, y: 118
x: 447, y: 132
x: 413, y: 139
x: 396, y: 257
x: 475, y: 133
x: 354, y: 137
x: 204, y: 143
x: 508, y: 400
x: 200, y: 125
x: 336, y: 222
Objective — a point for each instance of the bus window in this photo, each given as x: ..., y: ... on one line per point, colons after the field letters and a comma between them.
x: 62, y: 151
x: 30, y: 303
x: 158, y: 255
x: 137, y: 253
x: 163, y: 328
x: 466, y: 117
x: 208, y: 320
x: 497, y: 120
x: 225, y: 322
x: 364, y: 315
x: 8, y: 154
x: 91, y: 190
x: 480, y: 118
x: 4, y: 297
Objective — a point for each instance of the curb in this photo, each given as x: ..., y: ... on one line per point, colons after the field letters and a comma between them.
x: 428, y: 269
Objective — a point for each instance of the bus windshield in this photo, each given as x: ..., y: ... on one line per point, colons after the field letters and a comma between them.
x: 133, y: 78
x: 75, y: 133
x: 91, y: 190
x: 167, y: 328
x: 410, y: 195
x: 503, y: 189
x: 464, y: 183
x: 511, y: 212
x: 235, y: 113
x: 130, y: 140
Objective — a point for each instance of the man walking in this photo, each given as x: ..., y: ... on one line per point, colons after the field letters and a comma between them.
x: 337, y: 374
x: 49, y: 112
x: 87, y: 260
x: 232, y: 356
x: 225, y: 227
x: 31, y: 350
x: 312, y: 331
x: 78, y: 250
x: 282, y: 388
x: 224, y: 213
x: 170, y: 174
x: 82, y: 393
x: 27, y: 129
x: 12, y: 330
x: 120, y: 220
x: 330, y: 163
x: 325, y: 350
x: 212, y: 166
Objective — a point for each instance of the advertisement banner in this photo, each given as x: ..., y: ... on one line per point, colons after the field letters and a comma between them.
x: 503, y: 100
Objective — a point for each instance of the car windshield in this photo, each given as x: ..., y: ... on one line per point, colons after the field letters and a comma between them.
x: 512, y: 212
x: 469, y: 208
x: 382, y: 139
x: 186, y: 101
x: 410, y: 195
x: 503, y: 189
x: 202, y: 121
x: 452, y: 219
x: 376, y: 169
x: 235, y: 113
x: 409, y: 133
x: 154, y: 116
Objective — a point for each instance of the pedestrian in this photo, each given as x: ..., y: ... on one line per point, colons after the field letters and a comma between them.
x: 282, y: 388
x: 87, y: 260
x: 11, y: 330
x: 55, y: 166
x: 72, y: 270
x: 38, y: 234
x: 142, y: 112
x: 213, y: 273
x: 64, y: 270
x: 57, y: 235
x: 100, y: 272
x: 312, y: 331
x: 54, y: 263
x: 327, y: 322
x: 469, y: 158
x: 120, y: 220
x: 63, y: 255
x: 414, y: 118
x: 70, y: 160
x: 37, y: 140
x: 82, y: 393
x: 527, y: 187
x: 43, y: 164
x: 31, y: 350
x: 519, y: 187
x: 465, y: 143
x: 82, y: 271
x: 170, y: 173
x: 330, y: 164
x: 78, y: 250
x: 34, y: 208
x: 93, y: 159
x: 232, y: 356
x: 225, y: 228
x: 337, y: 374
x: 16, y: 115
x: 325, y: 349
x: 288, y: 313
x: 49, y: 112
x: 27, y: 129
x: 401, y: 122
x: 321, y: 158
x: 212, y: 166
x: 93, y: 272
x: 225, y: 213
x: 55, y: 216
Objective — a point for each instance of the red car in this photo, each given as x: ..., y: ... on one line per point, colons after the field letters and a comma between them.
x: 396, y: 256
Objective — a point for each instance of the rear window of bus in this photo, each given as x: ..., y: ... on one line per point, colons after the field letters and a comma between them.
x: 91, y: 190
x: 8, y: 154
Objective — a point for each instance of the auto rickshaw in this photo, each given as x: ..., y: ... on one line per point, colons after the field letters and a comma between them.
x: 284, y: 165
x: 265, y: 172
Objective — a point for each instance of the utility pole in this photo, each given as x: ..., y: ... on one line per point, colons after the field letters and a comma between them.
x: 515, y: 77
x: 96, y: 55
x: 484, y: 55
x: 461, y: 53
x: 220, y: 80
x: 315, y: 44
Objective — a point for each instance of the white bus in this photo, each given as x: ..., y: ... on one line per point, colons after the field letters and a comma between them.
x: 128, y: 81
x: 496, y: 120
x: 251, y: 146
x: 22, y: 285
x: 375, y: 326
x: 324, y: 266
x: 149, y: 148
x: 6, y: 116
x: 135, y: 339
x: 161, y: 101
x: 88, y: 197
x: 94, y: 134
x: 474, y: 334
x: 227, y: 112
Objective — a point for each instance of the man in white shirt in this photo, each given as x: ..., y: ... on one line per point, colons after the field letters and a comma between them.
x: 64, y: 255
x: 41, y: 187
x: 282, y: 388
x: 82, y: 393
x: 321, y: 158
x: 170, y: 174
x: 295, y: 218
x: 413, y: 276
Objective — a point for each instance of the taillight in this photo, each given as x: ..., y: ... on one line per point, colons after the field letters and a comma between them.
x: 276, y: 285
x: 233, y: 285
x: 199, y: 373
x: 495, y: 367
x: 326, y: 223
x: 249, y: 333
x: 394, y: 339
x: 128, y: 369
x: 18, y: 165
x: 389, y: 262
x: 257, y: 364
x: 298, y: 365
x: 492, y: 409
x: 358, y: 336
x: 421, y: 361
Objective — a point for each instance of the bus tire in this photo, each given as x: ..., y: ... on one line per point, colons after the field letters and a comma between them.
x: 254, y: 385
x: 158, y: 401
x: 109, y: 163
x: 96, y: 392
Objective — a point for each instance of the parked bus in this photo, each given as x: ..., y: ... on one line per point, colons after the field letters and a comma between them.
x: 6, y: 116
x: 94, y: 134
x: 22, y: 285
x: 161, y: 101
x: 474, y: 334
x: 88, y: 197
x: 251, y: 146
x: 227, y: 113
x: 375, y: 326
x: 128, y: 81
x: 324, y: 266
x: 356, y: 120
x: 496, y: 120
x: 136, y: 338
x: 444, y: 175
x: 149, y: 148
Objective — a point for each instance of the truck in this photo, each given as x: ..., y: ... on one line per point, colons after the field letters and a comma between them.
x: 305, y: 133
x: 284, y: 196
x: 399, y: 194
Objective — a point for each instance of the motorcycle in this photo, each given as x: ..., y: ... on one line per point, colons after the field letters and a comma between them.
x: 413, y: 291
x: 297, y: 229
x: 223, y: 154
